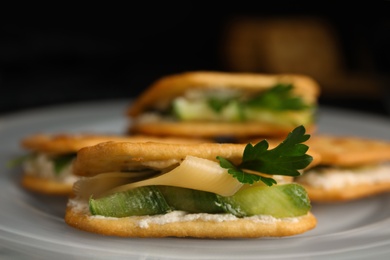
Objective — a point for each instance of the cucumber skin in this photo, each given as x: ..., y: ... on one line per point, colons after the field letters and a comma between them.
x: 192, y: 201
x: 280, y: 201
x: 146, y: 200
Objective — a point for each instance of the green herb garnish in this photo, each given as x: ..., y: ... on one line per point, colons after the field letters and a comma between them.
x: 285, y: 159
x: 60, y: 162
x: 18, y: 160
x: 217, y: 104
x: 279, y: 97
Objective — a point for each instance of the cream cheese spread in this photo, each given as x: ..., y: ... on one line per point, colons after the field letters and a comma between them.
x: 336, y: 178
x: 42, y: 166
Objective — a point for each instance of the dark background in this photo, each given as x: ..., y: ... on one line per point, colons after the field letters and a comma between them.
x: 61, y: 55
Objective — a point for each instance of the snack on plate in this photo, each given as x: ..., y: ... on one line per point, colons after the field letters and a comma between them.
x: 351, y: 167
x: 217, y: 104
x: 47, y: 169
x: 207, y: 190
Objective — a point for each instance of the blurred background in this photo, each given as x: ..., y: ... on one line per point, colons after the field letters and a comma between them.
x: 50, y: 57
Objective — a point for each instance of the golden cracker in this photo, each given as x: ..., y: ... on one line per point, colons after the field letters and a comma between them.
x: 240, y: 228
x: 349, y: 150
x: 171, y: 86
x: 63, y: 143
x: 59, y: 144
x: 116, y: 156
x: 212, y: 129
x: 46, y: 186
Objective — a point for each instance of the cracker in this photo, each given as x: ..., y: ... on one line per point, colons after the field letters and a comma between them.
x: 60, y: 144
x: 211, y: 130
x: 349, y: 150
x: 171, y: 86
x: 63, y: 143
x: 160, y: 94
x: 343, y: 152
x: 46, y: 186
x: 116, y: 156
x: 199, y: 228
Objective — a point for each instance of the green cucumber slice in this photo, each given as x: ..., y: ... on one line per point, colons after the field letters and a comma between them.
x: 193, y: 110
x: 288, y: 200
x: 146, y: 200
x: 232, y: 112
x: 186, y: 110
x: 193, y: 201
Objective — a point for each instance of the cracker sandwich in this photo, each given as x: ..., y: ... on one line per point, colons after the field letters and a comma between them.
x: 47, y: 168
x: 351, y: 168
x: 207, y: 190
x: 219, y: 104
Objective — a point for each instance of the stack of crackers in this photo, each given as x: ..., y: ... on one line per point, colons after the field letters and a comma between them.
x: 206, y: 107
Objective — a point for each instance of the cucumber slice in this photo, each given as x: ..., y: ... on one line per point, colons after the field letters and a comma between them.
x: 193, y: 110
x: 288, y: 200
x: 146, y: 200
x: 202, y: 110
x: 193, y: 201
x: 232, y: 112
x: 301, y: 117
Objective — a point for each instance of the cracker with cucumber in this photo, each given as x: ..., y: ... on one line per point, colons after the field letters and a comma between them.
x: 219, y: 104
x: 47, y: 166
x: 207, y: 190
x: 351, y: 167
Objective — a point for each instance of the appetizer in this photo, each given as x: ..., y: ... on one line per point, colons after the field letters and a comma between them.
x: 47, y: 168
x: 207, y: 190
x: 351, y: 167
x: 217, y: 105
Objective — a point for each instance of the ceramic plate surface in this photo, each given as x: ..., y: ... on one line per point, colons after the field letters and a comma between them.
x: 32, y: 226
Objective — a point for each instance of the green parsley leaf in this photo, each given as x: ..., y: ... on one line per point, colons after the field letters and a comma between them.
x: 60, y: 162
x: 285, y: 159
x: 279, y: 97
x: 217, y: 104
x: 18, y: 160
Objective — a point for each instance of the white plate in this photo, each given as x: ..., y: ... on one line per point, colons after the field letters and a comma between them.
x: 32, y: 226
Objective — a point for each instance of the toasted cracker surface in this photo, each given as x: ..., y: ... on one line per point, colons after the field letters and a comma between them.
x: 58, y: 144
x: 45, y: 185
x: 117, y: 156
x: 349, y: 150
x: 213, y: 130
x: 171, y: 86
x: 199, y: 228
x: 68, y: 143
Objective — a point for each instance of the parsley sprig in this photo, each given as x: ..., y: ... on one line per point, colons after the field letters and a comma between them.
x: 60, y: 162
x: 17, y: 161
x: 279, y: 97
x: 285, y: 159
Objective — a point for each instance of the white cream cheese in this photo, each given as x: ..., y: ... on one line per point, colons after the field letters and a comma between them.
x: 42, y: 166
x: 336, y: 178
x: 182, y: 216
